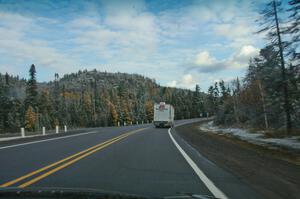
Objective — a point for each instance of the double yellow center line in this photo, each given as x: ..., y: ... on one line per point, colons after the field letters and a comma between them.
x: 56, y: 166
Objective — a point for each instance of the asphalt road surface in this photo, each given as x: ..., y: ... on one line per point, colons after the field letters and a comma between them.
x: 138, y: 159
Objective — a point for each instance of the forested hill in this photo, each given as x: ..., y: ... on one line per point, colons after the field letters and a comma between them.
x: 88, y: 98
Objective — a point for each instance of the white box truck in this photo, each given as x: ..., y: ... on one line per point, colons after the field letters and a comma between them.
x: 163, y: 115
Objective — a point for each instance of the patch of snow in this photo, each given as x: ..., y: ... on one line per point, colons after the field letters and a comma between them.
x: 254, y: 138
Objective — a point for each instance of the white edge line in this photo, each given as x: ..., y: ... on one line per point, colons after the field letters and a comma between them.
x: 17, y: 137
x: 208, y: 183
x: 46, y: 140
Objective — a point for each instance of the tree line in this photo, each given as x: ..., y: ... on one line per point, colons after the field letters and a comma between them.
x: 88, y: 99
x: 268, y: 97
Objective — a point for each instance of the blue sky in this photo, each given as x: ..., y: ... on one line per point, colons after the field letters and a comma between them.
x: 179, y: 43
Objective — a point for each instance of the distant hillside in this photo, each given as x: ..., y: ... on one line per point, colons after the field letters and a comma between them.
x: 90, y: 98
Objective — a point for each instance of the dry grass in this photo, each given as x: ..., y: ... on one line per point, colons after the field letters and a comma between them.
x: 278, y: 153
x: 281, y: 133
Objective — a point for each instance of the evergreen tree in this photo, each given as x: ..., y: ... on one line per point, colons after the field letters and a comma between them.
x: 271, y: 26
x: 57, y: 116
x: 4, y: 106
x: 293, y: 30
x: 14, y: 115
x: 45, y: 110
x: 6, y: 79
x: 197, y: 104
x: 211, y: 101
x: 31, y: 89
x: 236, y: 91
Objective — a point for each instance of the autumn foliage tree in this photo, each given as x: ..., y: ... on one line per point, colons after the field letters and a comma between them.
x: 149, y: 110
x: 114, y: 114
x: 30, y: 119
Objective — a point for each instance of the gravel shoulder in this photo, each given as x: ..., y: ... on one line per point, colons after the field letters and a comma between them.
x: 272, y: 173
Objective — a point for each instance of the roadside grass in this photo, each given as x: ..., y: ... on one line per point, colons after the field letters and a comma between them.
x: 269, y: 133
x: 255, y: 130
x: 275, y: 134
x: 281, y: 133
x: 278, y: 153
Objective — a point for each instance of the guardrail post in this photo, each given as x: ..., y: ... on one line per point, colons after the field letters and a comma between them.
x: 22, y: 132
x: 66, y: 128
x: 56, y: 129
x: 44, y: 130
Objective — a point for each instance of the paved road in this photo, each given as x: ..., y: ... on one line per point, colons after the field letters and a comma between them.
x: 136, y: 159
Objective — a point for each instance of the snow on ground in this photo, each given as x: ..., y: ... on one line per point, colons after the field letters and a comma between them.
x: 255, y: 138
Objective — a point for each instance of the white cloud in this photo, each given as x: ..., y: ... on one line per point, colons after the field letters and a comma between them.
x: 248, y: 51
x: 16, y: 46
x: 172, y: 83
x: 83, y: 22
x: 238, y: 32
x: 245, y: 53
x: 186, y: 81
x: 128, y: 37
x: 232, y: 31
x: 204, y: 62
x: 204, y: 58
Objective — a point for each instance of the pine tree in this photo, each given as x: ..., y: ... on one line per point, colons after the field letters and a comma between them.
x: 63, y: 107
x: 224, y: 91
x: 236, y: 99
x: 263, y: 89
x: 271, y: 26
x: 14, y: 115
x: 31, y: 89
x: 57, y: 101
x: 4, y: 106
x: 6, y: 79
x: 45, y: 109
x: 196, y: 102
x: 211, y: 101
x: 293, y: 30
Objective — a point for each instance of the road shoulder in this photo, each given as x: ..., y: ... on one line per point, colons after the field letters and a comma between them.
x: 269, y: 176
